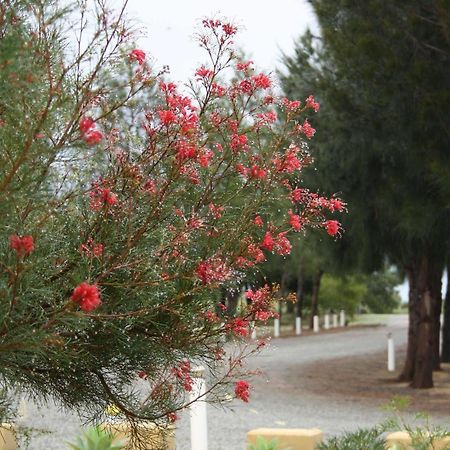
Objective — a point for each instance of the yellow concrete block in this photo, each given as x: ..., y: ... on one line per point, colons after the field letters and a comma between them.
x: 155, y: 438
x: 403, y: 441
x: 292, y: 438
x: 7, y: 437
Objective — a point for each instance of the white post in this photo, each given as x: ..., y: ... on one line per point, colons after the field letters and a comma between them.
x: 199, y: 424
x: 298, y: 326
x: 335, y: 320
x: 316, y: 324
x: 391, y: 353
x: 342, y: 318
x: 327, y: 322
x: 253, y: 328
x: 276, y: 327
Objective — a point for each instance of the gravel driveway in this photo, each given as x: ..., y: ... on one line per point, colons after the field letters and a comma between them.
x: 279, y: 398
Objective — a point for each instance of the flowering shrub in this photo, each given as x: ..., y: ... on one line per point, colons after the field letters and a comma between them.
x: 127, y: 237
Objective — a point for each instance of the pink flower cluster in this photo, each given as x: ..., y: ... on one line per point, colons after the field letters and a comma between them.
x: 183, y: 373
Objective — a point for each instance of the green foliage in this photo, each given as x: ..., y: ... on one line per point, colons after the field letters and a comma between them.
x: 380, y: 296
x: 264, y: 444
x: 363, y: 439
x: 97, y: 439
x: 423, y: 433
x: 342, y: 293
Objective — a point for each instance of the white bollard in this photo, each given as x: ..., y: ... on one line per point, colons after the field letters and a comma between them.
x: 316, y: 324
x: 298, y: 326
x: 276, y: 328
x: 342, y: 318
x: 335, y: 320
x: 326, y: 324
x: 199, y: 424
x: 391, y: 353
x: 253, y: 328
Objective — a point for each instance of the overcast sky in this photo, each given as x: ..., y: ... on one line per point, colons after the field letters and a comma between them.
x: 268, y: 28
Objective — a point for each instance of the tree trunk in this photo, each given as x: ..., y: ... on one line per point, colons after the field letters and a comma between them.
x: 423, y: 276
x: 413, y: 315
x: 315, y: 297
x: 423, y: 368
x: 445, y: 355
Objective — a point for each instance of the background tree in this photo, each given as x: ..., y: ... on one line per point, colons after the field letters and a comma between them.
x: 382, y: 73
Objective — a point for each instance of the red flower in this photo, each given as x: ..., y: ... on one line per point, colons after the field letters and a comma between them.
x: 258, y: 221
x: 238, y: 142
x: 172, y: 417
x: 268, y: 242
x: 86, y: 123
x: 87, y: 296
x: 336, y: 204
x: 203, y: 72
x: 241, y: 389
x: 311, y: 103
x: 93, y: 137
x: 102, y: 197
x: 137, y: 55
x: 167, y: 117
x: 22, y: 245
x: 294, y: 221
x: 238, y: 326
x: 261, y: 81
x: 307, y: 129
x: 282, y: 245
x: 332, y: 227
x: 296, y: 195
x: 142, y: 374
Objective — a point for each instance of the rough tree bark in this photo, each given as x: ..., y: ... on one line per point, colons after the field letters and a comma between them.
x: 424, y: 275
x: 315, y: 297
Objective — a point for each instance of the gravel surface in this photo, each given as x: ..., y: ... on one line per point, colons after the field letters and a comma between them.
x: 281, y: 397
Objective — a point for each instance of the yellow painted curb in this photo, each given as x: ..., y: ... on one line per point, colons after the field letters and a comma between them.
x: 294, y: 438
x: 403, y: 440
x: 7, y: 437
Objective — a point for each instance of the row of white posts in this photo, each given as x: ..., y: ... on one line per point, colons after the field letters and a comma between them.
x: 316, y: 327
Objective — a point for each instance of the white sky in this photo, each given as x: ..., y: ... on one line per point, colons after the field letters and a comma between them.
x: 268, y: 28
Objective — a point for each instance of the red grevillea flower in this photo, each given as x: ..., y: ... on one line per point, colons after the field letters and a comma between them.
x: 86, y: 124
x: 137, y: 55
x: 101, y: 197
x: 93, y: 137
x: 22, y: 245
x: 87, y: 296
x: 238, y: 326
x: 268, y: 241
x: 307, y: 129
x: 311, y: 103
x: 241, y: 389
x: 294, y: 221
x: 332, y: 227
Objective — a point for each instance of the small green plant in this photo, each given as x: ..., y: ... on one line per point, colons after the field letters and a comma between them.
x: 97, y: 439
x: 423, y: 433
x: 263, y: 444
x: 363, y: 439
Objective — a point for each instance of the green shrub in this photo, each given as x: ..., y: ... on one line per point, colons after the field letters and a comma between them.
x: 363, y: 439
x: 97, y: 439
x: 263, y: 444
